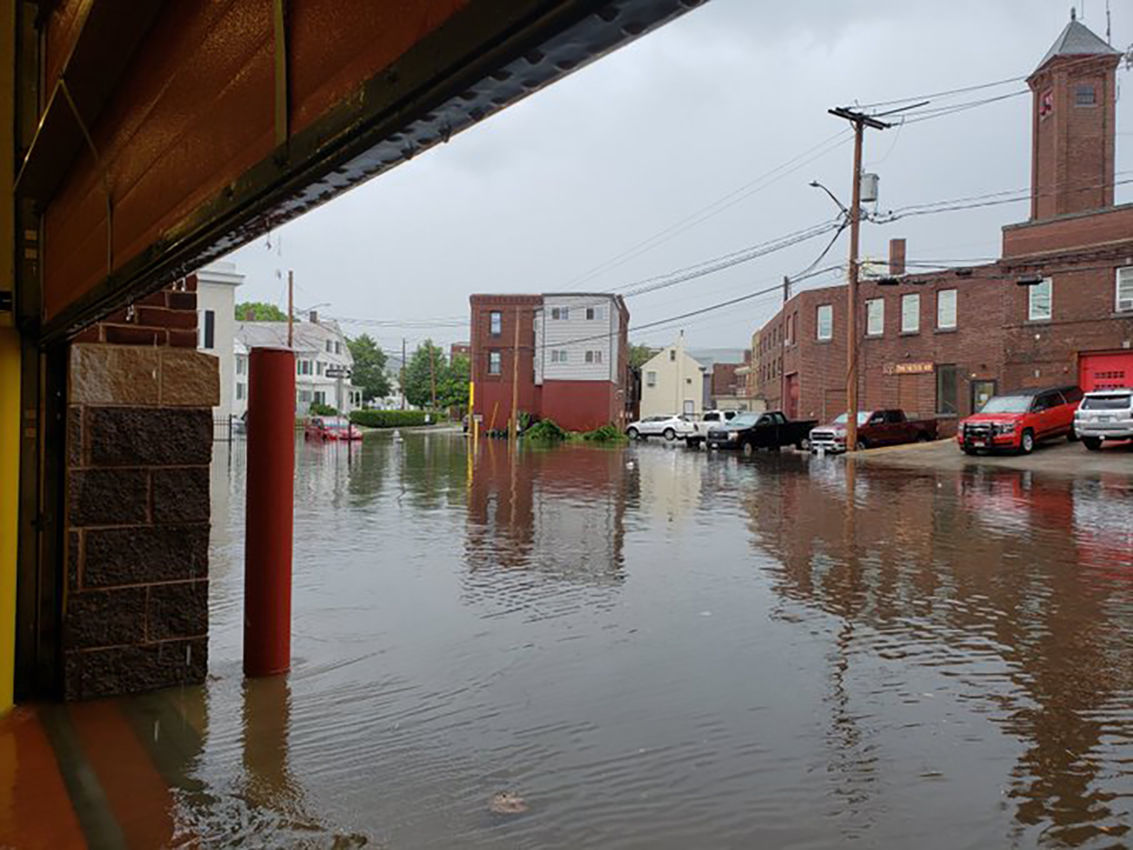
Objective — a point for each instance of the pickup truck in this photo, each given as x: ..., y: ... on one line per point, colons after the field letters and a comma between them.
x: 709, y: 420
x: 875, y: 428
x: 750, y: 431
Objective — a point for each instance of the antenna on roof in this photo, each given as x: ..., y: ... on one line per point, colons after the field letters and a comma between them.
x: 1108, y: 40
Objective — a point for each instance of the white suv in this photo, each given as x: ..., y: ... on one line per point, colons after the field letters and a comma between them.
x: 1104, y: 415
x: 669, y: 427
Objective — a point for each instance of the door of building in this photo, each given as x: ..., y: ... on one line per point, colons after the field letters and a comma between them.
x: 981, y: 392
x: 1105, y: 371
x: 791, y: 396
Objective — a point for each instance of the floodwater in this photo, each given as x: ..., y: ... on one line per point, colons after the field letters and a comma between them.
x: 664, y: 649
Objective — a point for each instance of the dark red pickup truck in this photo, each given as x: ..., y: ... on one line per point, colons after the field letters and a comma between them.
x: 875, y: 428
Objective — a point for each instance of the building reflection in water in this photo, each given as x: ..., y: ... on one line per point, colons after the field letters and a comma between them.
x: 1014, y: 586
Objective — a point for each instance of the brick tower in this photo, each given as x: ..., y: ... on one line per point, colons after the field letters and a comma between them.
x: 1072, y: 140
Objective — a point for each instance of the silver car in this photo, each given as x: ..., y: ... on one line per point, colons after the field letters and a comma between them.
x: 1104, y: 415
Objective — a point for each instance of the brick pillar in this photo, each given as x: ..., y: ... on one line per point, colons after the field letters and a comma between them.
x: 139, y: 441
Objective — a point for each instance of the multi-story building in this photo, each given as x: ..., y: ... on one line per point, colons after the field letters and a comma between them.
x: 565, y: 356
x: 1056, y: 308
x: 216, y: 326
x: 322, y: 363
x: 673, y: 381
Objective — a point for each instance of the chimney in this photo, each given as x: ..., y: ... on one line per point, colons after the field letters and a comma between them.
x: 896, y: 257
x: 313, y: 316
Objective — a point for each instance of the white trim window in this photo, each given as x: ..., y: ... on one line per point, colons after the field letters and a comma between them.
x: 946, y: 309
x: 824, y: 322
x: 495, y: 322
x: 1124, y: 290
x: 875, y: 317
x: 559, y: 355
x: 911, y: 313
x: 593, y: 356
x: 560, y: 313
x: 1040, y: 301
x: 650, y: 379
x: 494, y: 363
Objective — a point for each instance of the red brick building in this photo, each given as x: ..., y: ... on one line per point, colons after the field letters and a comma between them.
x: 569, y: 360
x: 1056, y: 308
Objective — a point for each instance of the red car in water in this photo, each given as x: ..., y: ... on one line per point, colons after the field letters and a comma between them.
x: 330, y: 428
x: 1020, y: 420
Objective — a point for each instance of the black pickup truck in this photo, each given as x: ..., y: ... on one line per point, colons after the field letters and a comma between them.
x: 750, y: 431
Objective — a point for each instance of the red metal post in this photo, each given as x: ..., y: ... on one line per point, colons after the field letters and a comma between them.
x: 269, y: 511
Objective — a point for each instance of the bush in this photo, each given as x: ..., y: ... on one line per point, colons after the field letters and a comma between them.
x: 391, y: 418
x: 545, y: 431
x: 317, y: 409
x: 605, y: 434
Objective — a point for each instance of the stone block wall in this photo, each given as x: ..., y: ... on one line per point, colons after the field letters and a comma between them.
x: 135, y: 613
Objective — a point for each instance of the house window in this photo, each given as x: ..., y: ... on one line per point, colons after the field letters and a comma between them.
x: 650, y: 379
x: 241, y: 364
x: 825, y: 322
x: 593, y: 356
x: 562, y: 313
x: 240, y: 388
x: 330, y: 347
x: 338, y: 348
x: 1084, y: 95
x: 559, y: 355
x: 305, y: 396
x: 1125, y: 289
x: 208, y: 327
x: 875, y: 317
x: 320, y: 397
x: 1039, y: 301
x: 319, y: 365
x: 493, y: 363
x: 593, y: 312
x: 672, y: 355
x: 946, y: 309
x: 495, y: 323
x: 946, y: 384
x: 303, y: 367
x: 910, y: 313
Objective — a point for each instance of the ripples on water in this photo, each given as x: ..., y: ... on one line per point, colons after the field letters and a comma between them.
x: 665, y: 649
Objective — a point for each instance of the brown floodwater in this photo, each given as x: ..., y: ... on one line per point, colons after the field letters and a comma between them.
x: 657, y: 648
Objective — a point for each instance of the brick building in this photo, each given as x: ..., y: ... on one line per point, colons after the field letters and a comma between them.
x: 1056, y: 308
x: 569, y: 358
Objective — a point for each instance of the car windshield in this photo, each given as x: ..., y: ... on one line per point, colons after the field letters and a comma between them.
x: 863, y: 417
x: 335, y: 424
x: 744, y: 420
x: 1008, y: 404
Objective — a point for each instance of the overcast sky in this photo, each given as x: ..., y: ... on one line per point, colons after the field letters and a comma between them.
x: 534, y: 198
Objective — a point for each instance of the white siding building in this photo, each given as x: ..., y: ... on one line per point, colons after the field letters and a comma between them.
x: 577, y: 338
x: 672, y: 382
x: 216, y: 325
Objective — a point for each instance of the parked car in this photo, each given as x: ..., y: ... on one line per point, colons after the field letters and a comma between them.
x: 1020, y: 420
x: 875, y: 428
x: 710, y: 419
x: 670, y: 427
x: 1104, y: 415
x: 331, y: 428
x: 750, y: 431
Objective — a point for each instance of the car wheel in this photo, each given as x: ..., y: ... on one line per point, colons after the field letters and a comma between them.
x: 968, y: 451
x: 1027, y: 442
x: 633, y: 434
x: 922, y: 437
x: 748, y: 449
x: 669, y: 434
x: 1092, y: 443
x: 1071, y: 435
x: 862, y: 445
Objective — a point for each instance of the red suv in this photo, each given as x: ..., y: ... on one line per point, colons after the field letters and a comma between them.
x: 1016, y: 422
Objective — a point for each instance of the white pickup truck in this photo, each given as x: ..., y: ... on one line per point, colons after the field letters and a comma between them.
x: 710, y: 419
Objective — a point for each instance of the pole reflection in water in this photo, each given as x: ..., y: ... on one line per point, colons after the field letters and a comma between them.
x: 662, y: 648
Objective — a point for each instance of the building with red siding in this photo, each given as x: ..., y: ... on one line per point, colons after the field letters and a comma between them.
x: 1057, y: 308
x: 565, y: 355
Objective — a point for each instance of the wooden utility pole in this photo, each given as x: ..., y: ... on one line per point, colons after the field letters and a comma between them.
x: 513, y: 427
x: 433, y: 373
x: 290, y: 303
x: 860, y: 121
x: 402, y: 378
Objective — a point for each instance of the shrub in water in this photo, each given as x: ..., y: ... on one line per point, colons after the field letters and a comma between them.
x: 545, y: 431
x: 605, y: 434
x: 391, y: 418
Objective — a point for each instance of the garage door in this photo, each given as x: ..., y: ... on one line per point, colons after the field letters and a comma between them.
x: 1105, y: 371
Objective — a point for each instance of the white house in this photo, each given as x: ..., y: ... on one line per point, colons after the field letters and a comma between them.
x: 322, y: 362
x: 216, y: 325
x: 672, y: 381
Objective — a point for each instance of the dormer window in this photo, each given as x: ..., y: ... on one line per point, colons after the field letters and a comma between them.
x: 1084, y: 95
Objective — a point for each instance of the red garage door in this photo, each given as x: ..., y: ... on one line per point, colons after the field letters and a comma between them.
x: 1105, y: 371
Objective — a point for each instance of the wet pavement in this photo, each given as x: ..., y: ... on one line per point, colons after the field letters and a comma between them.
x: 654, y: 648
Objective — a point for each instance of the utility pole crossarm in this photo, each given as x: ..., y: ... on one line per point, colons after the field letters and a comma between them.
x: 859, y: 118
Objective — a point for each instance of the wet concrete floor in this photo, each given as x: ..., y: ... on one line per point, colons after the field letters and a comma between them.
x: 652, y: 647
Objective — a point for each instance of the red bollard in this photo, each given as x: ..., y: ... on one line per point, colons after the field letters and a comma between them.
x: 269, y: 511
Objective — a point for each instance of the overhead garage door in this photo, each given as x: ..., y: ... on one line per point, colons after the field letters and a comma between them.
x: 1105, y: 371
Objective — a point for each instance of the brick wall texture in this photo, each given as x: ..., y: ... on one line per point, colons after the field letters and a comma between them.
x: 139, y: 440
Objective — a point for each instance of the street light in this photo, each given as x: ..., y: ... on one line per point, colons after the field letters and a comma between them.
x: 814, y: 184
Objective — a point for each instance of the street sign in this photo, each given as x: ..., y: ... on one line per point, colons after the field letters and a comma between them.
x: 337, y: 372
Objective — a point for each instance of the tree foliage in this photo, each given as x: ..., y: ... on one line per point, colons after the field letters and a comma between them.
x: 639, y: 354
x: 369, y: 367
x: 428, y: 363
x: 259, y: 311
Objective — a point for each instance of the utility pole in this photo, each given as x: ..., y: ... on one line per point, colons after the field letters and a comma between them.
x: 290, y: 303
x: 402, y: 378
x: 513, y: 428
x: 433, y: 373
x: 860, y: 121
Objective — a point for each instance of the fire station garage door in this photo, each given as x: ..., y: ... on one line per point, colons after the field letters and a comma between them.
x: 1105, y: 371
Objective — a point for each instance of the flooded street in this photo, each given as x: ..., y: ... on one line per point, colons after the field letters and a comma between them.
x: 657, y: 648
x: 653, y: 648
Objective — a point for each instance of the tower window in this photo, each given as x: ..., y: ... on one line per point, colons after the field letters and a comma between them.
x: 1046, y: 103
x: 1084, y: 95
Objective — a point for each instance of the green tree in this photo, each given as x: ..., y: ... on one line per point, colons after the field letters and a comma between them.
x: 455, y: 385
x: 259, y: 311
x: 639, y: 354
x: 424, y: 363
x: 369, y: 367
